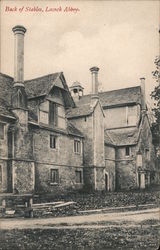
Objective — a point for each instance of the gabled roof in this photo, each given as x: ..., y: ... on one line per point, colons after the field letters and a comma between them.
x: 117, y: 97
x: 122, y: 137
x: 76, y: 84
x: 72, y: 130
x: 6, y: 88
x: 84, y: 110
x: 121, y: 96
x: 108, y: 99
x: 41, y: 85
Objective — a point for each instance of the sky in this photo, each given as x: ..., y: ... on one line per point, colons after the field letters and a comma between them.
x: 120, y: 37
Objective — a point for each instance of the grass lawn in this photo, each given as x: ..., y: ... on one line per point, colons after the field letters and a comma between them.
x: 125, y: 237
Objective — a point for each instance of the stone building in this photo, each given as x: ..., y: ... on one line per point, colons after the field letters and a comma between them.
x: 53, y: 139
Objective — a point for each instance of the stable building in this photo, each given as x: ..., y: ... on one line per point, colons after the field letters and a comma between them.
x: 54, y: 139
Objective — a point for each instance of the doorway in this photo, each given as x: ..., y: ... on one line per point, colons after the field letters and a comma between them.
x: 106, y: 182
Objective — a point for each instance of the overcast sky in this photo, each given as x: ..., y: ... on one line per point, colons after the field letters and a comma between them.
x: 120, y: 37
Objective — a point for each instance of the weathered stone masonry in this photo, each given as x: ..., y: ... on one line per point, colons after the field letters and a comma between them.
x: 53, y: 140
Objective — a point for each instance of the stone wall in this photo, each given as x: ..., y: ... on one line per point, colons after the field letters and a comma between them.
x: 3, y: 175
x: 4, y: 143
x: 67, y: 178
x: 99, y: 177
x: 98, y: 136
x: 93, y: 129
x: 110, y: 167
x: 23, y: 176
x: 4, y: 160
x: 62, y: 158
x: 126, y: 170
x: 148, y: 160
x: 23, y: 144
x: 89, y: 178
x: 127, y: 116
x: 85, y: 125
x: 63, y: 154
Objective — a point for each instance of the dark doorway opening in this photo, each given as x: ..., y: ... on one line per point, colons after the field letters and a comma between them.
x: 106, y: 182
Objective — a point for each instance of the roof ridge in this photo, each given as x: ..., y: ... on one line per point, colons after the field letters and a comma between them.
x: 6, y: 75
x: 107, y: 91
x: 40, y: 77
x: 120, y: 89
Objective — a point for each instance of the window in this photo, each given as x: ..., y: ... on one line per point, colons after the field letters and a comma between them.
x: 52, y: 141
x: 52, y: 114
x: 77, y: 146
x: 1, y: 131
x: 147, y: 154
x: 61, y: 117
x: 54, y: 176
x: 78, y: 176
x: 0, y: 173
x: 127, y: 151
x: 43, y: 112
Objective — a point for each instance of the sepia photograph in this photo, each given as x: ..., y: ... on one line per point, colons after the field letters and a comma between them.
x: 79, y: 124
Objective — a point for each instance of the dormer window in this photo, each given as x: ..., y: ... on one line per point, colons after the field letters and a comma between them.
x: 43, y: 112
x: 48, y: 113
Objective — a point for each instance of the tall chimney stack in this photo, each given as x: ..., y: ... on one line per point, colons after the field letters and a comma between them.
x: 19, y: 32
x: 94, y: 72
x: 142, y: 79
x: 19, y: 97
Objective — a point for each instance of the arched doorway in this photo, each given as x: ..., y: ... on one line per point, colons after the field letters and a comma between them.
x: 106, y: 182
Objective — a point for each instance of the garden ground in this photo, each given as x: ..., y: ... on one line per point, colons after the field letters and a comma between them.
x: 125, y: 230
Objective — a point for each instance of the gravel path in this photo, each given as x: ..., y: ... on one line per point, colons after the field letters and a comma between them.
x: 134, y: 217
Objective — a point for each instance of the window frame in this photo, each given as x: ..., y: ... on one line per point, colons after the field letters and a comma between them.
x: 3, y: 124
x: 55, y: 137
x: 127, y: 154
x: 56, y: 182
x: 43, y: 111
x: 77, y: 177
x: 59, y: 116
x: 75, y: 146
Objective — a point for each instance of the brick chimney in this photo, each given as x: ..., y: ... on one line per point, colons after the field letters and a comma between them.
x: 143, y: 102
x: 19, y: 97
x: 94, y: 72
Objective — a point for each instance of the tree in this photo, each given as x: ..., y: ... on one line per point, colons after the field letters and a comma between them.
x: 156, y: 110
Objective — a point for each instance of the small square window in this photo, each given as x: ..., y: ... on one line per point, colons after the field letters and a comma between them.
x: 54, y: 176
x: 78, y: 176
x: 127, y: 151
x: 52, y: 141
x: 77, y: 146
x: 1, y: 131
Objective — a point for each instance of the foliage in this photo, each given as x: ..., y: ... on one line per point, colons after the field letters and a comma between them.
x: 156, y: 110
